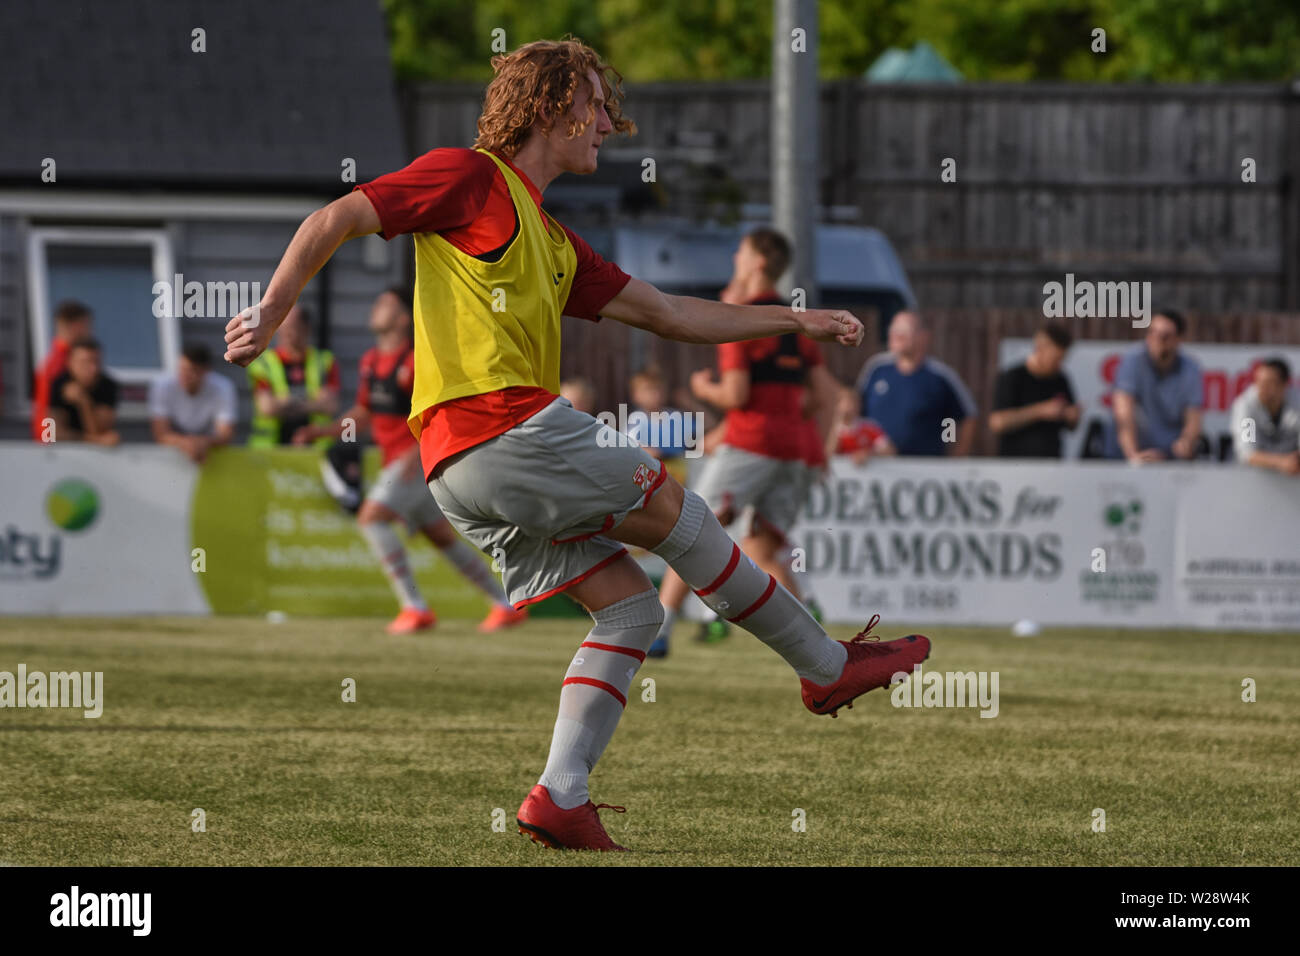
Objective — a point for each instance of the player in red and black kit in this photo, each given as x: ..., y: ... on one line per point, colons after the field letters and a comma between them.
x: 383, y: 404
x: 760, y: 472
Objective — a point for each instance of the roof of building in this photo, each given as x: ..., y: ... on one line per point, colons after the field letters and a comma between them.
x: 116, y: 95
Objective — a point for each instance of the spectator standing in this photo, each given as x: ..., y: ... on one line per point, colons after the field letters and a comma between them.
x: 294, y: 384
x: 917, y: 400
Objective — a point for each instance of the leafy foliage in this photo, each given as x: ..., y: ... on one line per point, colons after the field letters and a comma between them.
x: 1043, y: 40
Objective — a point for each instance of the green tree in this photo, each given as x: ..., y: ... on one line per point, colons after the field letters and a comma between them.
x: 1042, y: 40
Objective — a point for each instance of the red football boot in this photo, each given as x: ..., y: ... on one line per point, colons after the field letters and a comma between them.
x: 871, y: 663
x: 576, y: 829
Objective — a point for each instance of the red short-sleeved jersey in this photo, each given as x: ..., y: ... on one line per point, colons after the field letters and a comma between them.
x: 462, y: 195
x: 384, y: 390
x: 772, y: 422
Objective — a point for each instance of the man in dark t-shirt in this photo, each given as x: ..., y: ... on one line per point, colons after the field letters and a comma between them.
x: 83, y: 399
x: 1033, y: 401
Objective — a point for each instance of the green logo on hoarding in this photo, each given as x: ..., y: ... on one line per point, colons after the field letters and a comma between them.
x: 1125, y: 517
x: 72, y: 504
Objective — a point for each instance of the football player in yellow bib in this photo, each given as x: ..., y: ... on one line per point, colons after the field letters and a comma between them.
x: 547, y: 490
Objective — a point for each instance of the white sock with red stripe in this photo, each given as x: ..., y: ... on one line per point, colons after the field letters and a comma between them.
x: 733, y: 586
x: 595, y: 693
x: 387, y: 547
x: 472, y: 566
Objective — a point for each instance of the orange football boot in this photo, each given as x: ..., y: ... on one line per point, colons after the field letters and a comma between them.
x: 411, y: 620
x: 501, y: 617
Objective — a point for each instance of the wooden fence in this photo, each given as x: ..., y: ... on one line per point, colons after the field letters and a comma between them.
x: 1109, y: 182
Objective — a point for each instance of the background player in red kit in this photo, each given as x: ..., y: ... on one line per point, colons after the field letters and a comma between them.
x: 400, y: 494
x: 759, y: 472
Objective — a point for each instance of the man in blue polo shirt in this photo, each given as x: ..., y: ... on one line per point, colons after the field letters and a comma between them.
x: 921, y: 404
x: 1157, y: 398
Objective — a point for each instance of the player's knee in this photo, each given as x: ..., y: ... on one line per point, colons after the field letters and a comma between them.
x: 650, y: 524
x: 639, y: 610
x: 654, y: 609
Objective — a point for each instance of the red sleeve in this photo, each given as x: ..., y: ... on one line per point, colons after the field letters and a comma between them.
x: 332, y: 378
x: 55, y: 363
x: 443, y: 189
x: 733, y: 356
x: 811, y: 351
x: 40, y: 405
x: 595, y: 282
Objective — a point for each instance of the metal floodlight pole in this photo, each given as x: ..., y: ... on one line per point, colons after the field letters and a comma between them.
x: 795, y: 109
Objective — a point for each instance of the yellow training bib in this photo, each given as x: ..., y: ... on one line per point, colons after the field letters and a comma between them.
x: 483, y: 326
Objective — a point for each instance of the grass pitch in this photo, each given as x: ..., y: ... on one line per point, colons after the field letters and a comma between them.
x: 245, y: 720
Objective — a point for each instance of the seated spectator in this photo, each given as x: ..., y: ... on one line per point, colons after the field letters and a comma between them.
x: 83, y: 399
x: 670, y: 433
x: 917, y: 400
x: 1157, y: 397
x: 849, y: 434
x: 1033, y: 401
x: 72, y: 322
x: 580, y: 393
x: 294, y: 384
x: 193, y: 410
x: 1266, y: 423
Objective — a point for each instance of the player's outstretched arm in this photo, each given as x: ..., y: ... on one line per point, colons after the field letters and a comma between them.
x: 318, y: 238
x: 688, y: 319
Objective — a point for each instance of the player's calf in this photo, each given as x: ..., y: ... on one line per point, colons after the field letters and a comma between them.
x: 731, y: 584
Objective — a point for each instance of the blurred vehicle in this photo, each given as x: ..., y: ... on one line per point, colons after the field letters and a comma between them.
x: 857, y: 267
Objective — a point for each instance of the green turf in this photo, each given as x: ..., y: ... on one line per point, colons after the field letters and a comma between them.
x: 245, y: 720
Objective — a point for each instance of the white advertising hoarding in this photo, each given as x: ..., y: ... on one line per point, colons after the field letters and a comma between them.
x: 1080, y: 543
x: 89, y: 530
x: 85, y: 530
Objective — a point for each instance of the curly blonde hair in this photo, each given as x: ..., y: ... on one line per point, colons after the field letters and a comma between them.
x: 544, y: 74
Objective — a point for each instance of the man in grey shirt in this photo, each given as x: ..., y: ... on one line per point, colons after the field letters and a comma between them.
x: 1265, y: 424
x: 193, y: 410
x: 1157, y: 397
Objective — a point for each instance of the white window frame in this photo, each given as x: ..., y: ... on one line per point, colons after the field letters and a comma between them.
x: 39, y: 238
